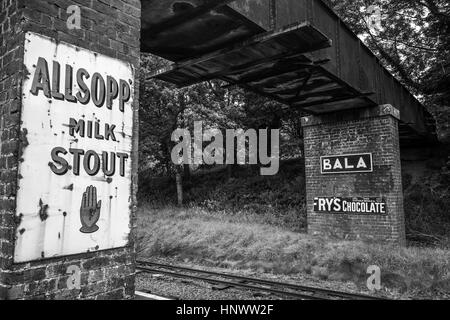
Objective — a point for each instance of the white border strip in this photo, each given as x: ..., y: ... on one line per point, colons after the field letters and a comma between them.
x: 150, y: 296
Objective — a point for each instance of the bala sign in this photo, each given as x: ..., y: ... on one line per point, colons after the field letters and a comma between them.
x: 353, y: 163
x: 75, y: 175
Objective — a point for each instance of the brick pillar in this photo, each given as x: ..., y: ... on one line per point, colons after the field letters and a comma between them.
x: 368, y: 131
x: 109, y: 31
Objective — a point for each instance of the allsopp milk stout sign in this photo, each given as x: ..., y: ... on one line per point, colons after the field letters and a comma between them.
x: 75, y: 174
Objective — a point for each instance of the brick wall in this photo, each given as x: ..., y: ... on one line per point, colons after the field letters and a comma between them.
x: 110, y: 27
x: 365, y: 131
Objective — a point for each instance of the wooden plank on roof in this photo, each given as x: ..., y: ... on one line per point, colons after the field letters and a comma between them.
x: 178, y: 30
x: 269, y: 47
x: 276, y: 65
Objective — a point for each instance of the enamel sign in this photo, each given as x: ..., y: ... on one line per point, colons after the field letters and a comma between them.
x: 355, y: 205
x: 353, y: 163
x: 75, y: 170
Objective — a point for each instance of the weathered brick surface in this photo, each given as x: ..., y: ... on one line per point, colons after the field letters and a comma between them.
x: 369, y: 131
x: 110, y: 27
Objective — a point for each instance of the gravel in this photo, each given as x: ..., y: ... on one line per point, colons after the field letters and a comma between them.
x: 180, y: 289
x: 186, y: 289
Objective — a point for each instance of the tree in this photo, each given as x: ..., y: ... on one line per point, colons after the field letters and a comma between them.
x: 414, y: 44
x: 165, y: 108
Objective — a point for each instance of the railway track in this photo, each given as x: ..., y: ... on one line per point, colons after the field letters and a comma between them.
x: 227, y: 280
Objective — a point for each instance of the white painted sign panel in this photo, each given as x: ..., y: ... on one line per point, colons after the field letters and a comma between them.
x: 74, y: 191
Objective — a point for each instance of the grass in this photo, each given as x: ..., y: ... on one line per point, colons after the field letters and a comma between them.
x: 246, y: 196
x: 247, y: 221
x: 280, y: 200
x: 243, y: 242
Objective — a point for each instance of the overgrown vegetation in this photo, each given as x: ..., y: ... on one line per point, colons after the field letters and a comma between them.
x: 280, y: 200
x: 275, y: 200
x: 216, y: 239
x: 426, y: 205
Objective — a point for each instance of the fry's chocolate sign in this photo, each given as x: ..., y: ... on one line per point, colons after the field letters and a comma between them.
x: 75, y: 177
x: 356, y: 205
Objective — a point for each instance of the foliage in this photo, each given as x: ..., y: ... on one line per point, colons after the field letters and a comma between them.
x: 275, y: 200
x: 414, y: 44
x: 427, y: 205
x: 165, y: 108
